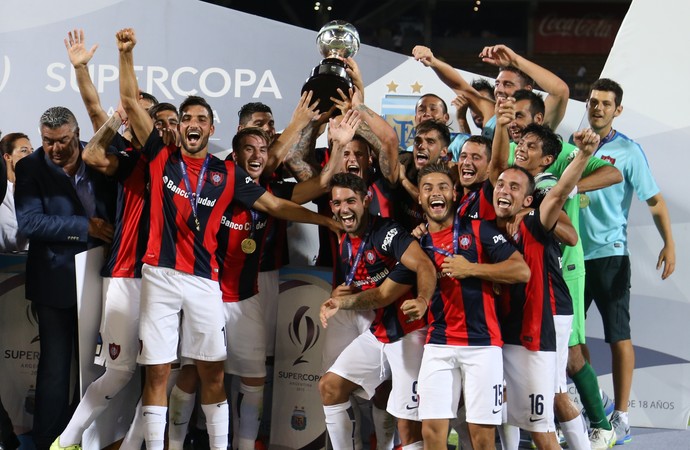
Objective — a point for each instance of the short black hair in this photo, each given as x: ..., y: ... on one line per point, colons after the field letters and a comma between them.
x: 158, y: 107
x: 551, y: 143
x: 536, y: 102
x: 526, y: 79
x: 149, y: 97
x: 608, y: 85
x: 530, y: 178
x: 246, y: 111
x: 433, y: 168
x: 350, y: 181
x: 249, y: 131
x: 443, y: 102
x: 481, y: 140
x: 440, y: 127
x: 481, y: 84
x: 193, y: 100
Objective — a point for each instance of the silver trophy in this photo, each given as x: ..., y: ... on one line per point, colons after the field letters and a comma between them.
x: 337, y: 40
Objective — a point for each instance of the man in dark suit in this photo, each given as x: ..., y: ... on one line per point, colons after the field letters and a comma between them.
x: 64, y: 208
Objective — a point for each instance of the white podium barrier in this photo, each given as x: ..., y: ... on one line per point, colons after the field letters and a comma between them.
x: 297, y: 421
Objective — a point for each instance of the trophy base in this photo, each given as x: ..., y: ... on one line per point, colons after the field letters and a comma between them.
x: 324, y: 81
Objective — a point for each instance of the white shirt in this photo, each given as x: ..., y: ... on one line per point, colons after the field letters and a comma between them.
x: 9, y: 242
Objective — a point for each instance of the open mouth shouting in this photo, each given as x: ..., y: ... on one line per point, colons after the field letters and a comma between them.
x: 354, y: 169
x: 193, y: 137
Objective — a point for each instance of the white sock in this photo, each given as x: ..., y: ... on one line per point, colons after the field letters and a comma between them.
x: 575, y: 432
x: 96, y: 399
x: 419, y: 445
x: 180, y: 409
x: 510, y: 436
x: 135, y: 435
x: 217, y: 419
x: 341, y: 427
x: 154, y: 426
x: 384, y: 427
x: 247, y: 408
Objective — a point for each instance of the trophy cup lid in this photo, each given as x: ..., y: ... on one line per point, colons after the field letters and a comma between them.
x: 338, y: 39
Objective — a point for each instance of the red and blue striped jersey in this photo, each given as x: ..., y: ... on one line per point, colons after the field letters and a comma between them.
x: 131, y: 216
x: 385, y: 243
x: 479, y: 204
x: 174, y: 241
x: 527, y: 309
x: 463, y: 312
x: 275, y: 252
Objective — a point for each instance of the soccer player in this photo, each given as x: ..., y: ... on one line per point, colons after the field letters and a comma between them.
x: 527, y: 324
x: 463, y: 346
x: 604, y: 218
x: 529, y: 114
x: 369, y: 253
x: 190, y: 190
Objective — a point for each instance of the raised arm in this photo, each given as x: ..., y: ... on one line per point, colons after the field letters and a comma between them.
x: 95, y: 155
x: 139, y: 119
x: 500, y: 148
x: 79, y: 56
x: 304, y: 113
x: 341, y: 134
x: 454, y: 80
x: 557, y: 99
x: 587, y: 141
x: 662, y: 220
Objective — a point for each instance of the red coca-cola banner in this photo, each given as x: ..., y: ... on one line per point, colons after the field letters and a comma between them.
x: 570, y: 30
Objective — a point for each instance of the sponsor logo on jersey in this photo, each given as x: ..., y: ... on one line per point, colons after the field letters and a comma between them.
x: 216, y: 178
x: 113, y: 350
x: 499, y: 238
x: 609, y: 159
x: 388, y: 240
x: 370, y: 256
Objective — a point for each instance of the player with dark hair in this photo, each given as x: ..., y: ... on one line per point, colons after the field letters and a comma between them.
x: 463, y: 346
x: 190, y: 190
x: 370, y: 252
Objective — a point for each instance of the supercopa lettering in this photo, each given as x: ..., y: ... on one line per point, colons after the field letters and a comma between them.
x: 211, y: 82
x: 299, y: 376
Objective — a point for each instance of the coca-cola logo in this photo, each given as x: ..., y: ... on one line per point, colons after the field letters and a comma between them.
x: 581, y: 27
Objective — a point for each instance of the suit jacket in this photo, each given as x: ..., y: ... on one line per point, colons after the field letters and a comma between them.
x: 51, y: 215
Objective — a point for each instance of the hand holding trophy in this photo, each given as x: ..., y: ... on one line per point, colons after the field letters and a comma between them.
x: 337, y: 41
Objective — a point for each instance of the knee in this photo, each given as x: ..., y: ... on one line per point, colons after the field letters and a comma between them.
x: 434, y: 434
x: 410, y: 431
x: 331, y: 390
x: 576, y: 360
x: 157, y: 375
x: 210, y: 373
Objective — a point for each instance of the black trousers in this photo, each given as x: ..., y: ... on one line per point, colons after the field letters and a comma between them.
x: 57, y: 329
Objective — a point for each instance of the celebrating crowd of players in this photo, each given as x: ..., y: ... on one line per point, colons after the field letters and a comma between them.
x: 459, y: 285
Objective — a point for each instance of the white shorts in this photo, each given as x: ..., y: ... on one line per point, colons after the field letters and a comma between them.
x: 269, y: 288
x: 367, y: 362
x: 530, y: 382
x: 165, y: 293
x: 120, y: 323
x: 448, y: 370
x: 343, y: 328
x: 563, y: 325
x: 244, y: 321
